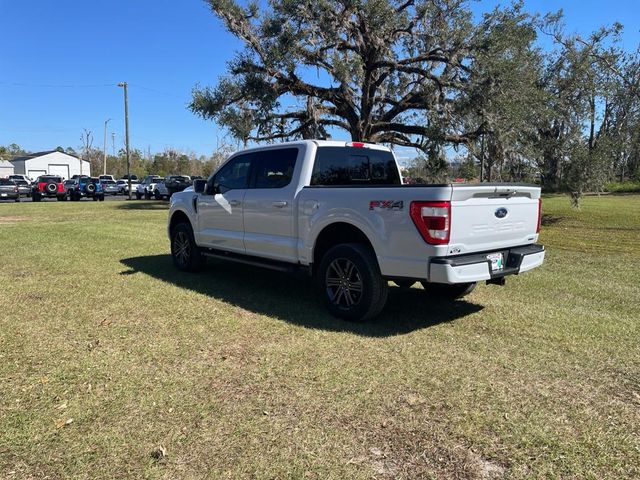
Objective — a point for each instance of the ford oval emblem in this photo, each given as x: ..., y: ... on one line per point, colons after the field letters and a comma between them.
x: 501, y: 212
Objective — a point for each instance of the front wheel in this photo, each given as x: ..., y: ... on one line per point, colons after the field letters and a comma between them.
x: 138, y: 196
x: 350, y: 283
x: 185, y: 253
x: 448, y: 291
x: 101, y: 198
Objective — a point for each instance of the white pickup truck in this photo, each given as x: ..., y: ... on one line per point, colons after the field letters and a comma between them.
x: 339, y: 212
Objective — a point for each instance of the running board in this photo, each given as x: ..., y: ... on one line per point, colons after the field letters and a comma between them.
x: 255, y: 261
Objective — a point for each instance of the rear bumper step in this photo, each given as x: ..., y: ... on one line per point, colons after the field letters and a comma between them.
x: 477, y: 267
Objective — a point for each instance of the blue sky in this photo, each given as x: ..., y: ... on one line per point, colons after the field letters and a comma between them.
x: 60, y: 63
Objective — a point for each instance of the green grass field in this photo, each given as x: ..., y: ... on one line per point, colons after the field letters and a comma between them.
x: 115, y: 365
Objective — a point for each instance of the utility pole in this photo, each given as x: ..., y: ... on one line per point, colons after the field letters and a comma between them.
x: 482, y: 160
x: 104, y: 148
x: 126, y: 131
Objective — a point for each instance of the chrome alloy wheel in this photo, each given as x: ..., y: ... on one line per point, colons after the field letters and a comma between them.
x: 343, y: 283
x: 182, y: 248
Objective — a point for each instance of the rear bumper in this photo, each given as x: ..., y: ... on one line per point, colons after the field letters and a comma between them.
x: 476, y: 267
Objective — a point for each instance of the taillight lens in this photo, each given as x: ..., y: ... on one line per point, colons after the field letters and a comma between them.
x: 433, y: 221
x: 539, y: 215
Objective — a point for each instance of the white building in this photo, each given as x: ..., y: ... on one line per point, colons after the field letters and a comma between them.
x: 51, y: 163
x: 6, y: 169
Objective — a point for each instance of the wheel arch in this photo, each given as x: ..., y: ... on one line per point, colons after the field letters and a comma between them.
x: 178, y: 217
x: 335, y: 234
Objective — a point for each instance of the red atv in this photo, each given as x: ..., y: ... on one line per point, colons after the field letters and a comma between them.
x: 48, y: 186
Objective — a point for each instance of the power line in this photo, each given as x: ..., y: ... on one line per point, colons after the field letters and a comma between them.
x: 50, y: 85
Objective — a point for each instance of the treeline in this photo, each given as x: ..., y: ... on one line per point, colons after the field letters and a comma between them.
x: 168, y: 162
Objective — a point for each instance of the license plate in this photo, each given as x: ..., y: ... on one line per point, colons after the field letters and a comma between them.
x: 497, y: 261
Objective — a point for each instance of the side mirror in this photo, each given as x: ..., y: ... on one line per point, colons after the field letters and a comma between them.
x: 199, y: 186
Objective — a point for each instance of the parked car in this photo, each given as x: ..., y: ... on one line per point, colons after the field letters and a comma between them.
x: 106, y: 177
x: 123, y: 186
x: 160, y: 191
x: 18, y: 177
x: 9, y: 190
x: 176, y: 183
x: 109, y: 187
x: 85, y: 187
x: 340, y: 213
x: 146, y: 188
x: 48, y: 186
x: 24, y: 189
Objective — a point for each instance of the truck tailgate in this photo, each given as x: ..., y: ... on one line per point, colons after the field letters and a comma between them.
x: 492, y: 217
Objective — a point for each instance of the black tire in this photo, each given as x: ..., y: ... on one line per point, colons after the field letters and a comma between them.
x: 342, y: 270
x: 18, y: 198
x: 185, y: 253
x: 447, y: 291
x: 90, y: 188
x: 157, y: 195
x: 51, y: 188
x: 61, y: 198
x: 36, y: 197
x: 404, y: 283
x: 138, y: 196
x: 101, y: 198
x: 147, y: 195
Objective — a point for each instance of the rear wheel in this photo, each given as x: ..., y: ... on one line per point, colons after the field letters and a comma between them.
x: 61, y: 198
x: 138, y: 196
x: 185, y: 253
x: 36, y: 197
x: 350, y: 283
x: 447, y: 291
x: 18, y: 198
x: 101, y: 198
x: 147, y: 196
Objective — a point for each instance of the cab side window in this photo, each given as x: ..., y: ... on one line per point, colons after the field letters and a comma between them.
x: 274, y: 168
x: 234, y: 175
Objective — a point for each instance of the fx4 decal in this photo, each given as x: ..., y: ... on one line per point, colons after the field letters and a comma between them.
x: 386, y: 205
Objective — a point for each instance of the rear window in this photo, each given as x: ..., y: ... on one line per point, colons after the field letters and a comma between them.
x: 50, y: 179
x: 6, y: 181
x: 354, y: 166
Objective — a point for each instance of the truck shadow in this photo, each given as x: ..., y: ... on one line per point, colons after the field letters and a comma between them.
x: 143, y: 205
x: 293, y: 298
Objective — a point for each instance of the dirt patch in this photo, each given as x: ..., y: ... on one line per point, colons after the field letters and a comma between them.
x: 9, y: 220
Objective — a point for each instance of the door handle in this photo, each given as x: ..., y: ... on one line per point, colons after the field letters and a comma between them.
x: 234, y: 203
x: 280, y: 204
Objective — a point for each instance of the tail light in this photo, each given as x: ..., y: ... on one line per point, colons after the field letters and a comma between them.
x: 539, y: 215
x: 433, y: 221
x: 15, y: 189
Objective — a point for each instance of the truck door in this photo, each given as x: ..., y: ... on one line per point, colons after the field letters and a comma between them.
x: 220, y: 223
x: 269, y: 226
